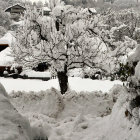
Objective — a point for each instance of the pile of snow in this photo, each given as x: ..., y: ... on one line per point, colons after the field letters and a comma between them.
x: 5, y: 57
x: 12, y: 125
x: 55, y: 105
x: 68, y: 117
x: 75, y: 83
x: 32, y: 73
x: 75, y: 116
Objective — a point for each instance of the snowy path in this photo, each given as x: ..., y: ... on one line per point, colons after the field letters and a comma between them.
x: 76, y: 84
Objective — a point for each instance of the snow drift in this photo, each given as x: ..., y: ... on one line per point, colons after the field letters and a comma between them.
x: 79, y: 116
x: 62, y: 117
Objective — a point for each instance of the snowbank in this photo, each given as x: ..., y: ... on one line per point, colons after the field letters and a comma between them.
x: 67, y: 117
x: 78, y: 116
x: 53, y: 104
x: 12, y: 125
x: 75, y: 83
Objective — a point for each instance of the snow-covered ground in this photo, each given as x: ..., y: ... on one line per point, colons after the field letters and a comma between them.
x: 84, y: 116
x: 73, y: 116
x: 75, y: 83
x: 69, y: 117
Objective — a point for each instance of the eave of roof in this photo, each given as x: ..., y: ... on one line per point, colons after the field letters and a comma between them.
x: 8, y: 9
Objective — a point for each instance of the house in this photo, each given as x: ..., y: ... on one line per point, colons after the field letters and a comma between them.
x: 6, y: 58
x: 44, y: 11
x: 16, y: 11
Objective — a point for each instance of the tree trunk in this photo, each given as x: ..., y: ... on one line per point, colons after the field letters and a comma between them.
x: 63, y: 80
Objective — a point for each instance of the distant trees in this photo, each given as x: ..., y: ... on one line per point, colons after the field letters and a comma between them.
x: 82, y: 3
x: 4, y: 18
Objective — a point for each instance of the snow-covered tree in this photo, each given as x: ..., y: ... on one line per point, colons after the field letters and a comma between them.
x: 120, y: 32
x: 53, y: 3
x: 64, y: 40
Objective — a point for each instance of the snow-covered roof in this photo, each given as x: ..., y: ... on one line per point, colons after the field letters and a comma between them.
x: 7, y: 39
x: 4, y: 41
x: 92, y: 10
x: 89, y: 10
x: 5, y: 57
x: 7, y: 9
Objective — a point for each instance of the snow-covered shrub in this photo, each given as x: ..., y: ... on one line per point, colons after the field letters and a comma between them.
x: 133, y: 82
x: 123, y: 123
x: 120, y: 32
x: 135, y: 57
x: 115, y: 92
x: 137, y: 35
x: 125, y: 71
